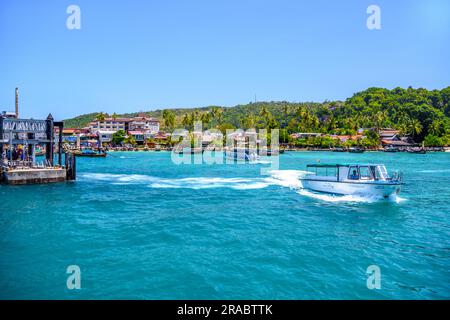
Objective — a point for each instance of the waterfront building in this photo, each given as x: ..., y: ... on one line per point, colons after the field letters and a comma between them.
x: 126, y: 124
x: 110, y: 124
x: 304, y: 135
x: 138, y: 135
x: 392, y: 138
x: 105, y: 136
x: 145, y: 124
x: 344, y: 138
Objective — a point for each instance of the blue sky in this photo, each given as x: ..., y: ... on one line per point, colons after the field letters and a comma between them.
x: 143, y: 55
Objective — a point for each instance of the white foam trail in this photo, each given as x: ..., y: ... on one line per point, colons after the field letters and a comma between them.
x: 260, y: 162
x: 283, y: 178
x: 336, y: 198
x: 286, y: 178
x: 187, y: 183
x: 397, y: 199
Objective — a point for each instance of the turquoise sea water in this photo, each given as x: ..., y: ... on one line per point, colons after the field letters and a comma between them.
x: 141, y: 227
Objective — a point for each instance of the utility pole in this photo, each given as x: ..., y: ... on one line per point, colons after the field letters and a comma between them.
x: 17, y: 103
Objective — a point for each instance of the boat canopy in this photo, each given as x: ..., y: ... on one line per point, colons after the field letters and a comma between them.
x: 320, y: 165
x: 323, y: 165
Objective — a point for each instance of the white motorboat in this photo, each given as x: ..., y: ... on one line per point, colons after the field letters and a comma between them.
x: 352, y: 179
x: 242, y: 154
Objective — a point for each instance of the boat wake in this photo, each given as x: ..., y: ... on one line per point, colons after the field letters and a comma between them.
x: 282, y: 178
x: 435, y: 171
x: 186, y: 183
x: 339, y: 198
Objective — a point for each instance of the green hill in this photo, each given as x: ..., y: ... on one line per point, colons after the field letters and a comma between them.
x: 416, y: 112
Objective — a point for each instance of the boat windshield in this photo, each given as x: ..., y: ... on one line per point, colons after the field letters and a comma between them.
x: 381, y: 173
x: 365, y: 173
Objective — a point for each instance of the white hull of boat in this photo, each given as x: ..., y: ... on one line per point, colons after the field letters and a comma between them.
x: 353, y: 188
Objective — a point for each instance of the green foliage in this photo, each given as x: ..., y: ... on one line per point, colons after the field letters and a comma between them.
x: 433, y: 141
x: 130, y: 140
x: 226, y: 126
x: 415, y: 112
x: 80, y: 121
x: 118, y: 137
x: 169, y: 119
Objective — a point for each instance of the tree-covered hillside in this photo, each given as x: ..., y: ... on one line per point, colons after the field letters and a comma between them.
x: 419, y: 113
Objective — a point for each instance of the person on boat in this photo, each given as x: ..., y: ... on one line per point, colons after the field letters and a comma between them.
x: 354, y: 175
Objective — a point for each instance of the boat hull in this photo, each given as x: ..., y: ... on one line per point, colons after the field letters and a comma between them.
x: 353, y: 188
x: 102, y: 155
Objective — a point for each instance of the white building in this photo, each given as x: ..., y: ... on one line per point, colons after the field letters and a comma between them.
x: 105, y: 136
x: 150, y: 125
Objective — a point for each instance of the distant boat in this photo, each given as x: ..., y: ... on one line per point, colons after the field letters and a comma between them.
x: 90, y: 154
x: 242, y: 154
x: 356, y: 150
x: 270, y: 152
x: 187, y: 150
x: 418, y: 151
x: 352, y: 179
x: 391, y: 149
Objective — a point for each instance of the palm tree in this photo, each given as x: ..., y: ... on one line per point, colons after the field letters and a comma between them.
x: 285, y: 112
x: 195, y: 116
x: 266, y: 115
x: 216, y: 114
x: 250, y: 121
x: 332, y: 124
x: 379, y: 118
x: 169, y: 119
x: 206, y: 119
x: 219, y: 117
x: 415, y: 127
x: 403, y: 128
x: 114, y: 116
x: 304, y: 118
x: 100, y: 116
x: 313, y: 121
x: 435, y: 128
x: 186, y: 122
x: 130, y: 140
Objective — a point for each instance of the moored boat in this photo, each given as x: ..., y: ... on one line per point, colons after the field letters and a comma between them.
x: 352, y: 179
x: 417, y: 150
x: 356, y: 150
x: 90, y: 154
x: 391, y: 149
